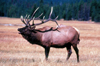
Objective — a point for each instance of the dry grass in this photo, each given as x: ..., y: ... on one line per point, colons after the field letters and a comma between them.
x: 16, y: 51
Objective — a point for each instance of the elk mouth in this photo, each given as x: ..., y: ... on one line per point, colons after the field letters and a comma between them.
x: 19, y: 31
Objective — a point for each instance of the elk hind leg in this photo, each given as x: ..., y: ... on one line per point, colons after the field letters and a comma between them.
x: 77, y: 52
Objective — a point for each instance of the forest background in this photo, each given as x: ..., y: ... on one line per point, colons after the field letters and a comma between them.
x: 82, y: 10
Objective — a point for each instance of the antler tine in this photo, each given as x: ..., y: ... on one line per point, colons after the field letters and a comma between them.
x: 33, y: 15
x: 38, y: 17
x: 51, y: 12
x: 43, y: 17
x: 23, y: 20
x: 26, y: 19
x: 56, y: 17
x: 56, y: 21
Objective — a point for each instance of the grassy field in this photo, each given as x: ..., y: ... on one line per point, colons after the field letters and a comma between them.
x: 16, y: 51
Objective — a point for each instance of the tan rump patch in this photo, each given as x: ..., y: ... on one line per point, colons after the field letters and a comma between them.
x: 77, y: 30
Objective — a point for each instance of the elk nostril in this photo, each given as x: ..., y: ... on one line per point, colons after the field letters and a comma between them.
x: 18, y: 29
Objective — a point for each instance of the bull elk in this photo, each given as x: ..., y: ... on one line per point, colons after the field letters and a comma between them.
x: 60, y: 37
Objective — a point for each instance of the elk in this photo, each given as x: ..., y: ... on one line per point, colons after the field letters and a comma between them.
x: 60, y: 37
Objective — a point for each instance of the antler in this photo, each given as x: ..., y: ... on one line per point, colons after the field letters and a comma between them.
x: 49, y: 19
x: 26, y: 20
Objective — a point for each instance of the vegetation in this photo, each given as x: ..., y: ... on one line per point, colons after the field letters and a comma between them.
x: 16, y: 51
x: 65, y: 9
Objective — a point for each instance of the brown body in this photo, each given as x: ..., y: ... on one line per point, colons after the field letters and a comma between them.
x: 57, y: 38
x: 64, y: 36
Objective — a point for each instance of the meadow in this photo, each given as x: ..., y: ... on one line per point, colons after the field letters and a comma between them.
x: 16, y: 51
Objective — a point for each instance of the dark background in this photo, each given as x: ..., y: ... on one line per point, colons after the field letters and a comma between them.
x: 83, y: 10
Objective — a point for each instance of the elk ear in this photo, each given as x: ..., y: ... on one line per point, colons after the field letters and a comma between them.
x: 32, y: 28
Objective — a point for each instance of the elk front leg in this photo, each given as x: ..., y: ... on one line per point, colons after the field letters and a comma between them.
x: 47, y: 49
x: 69, y: 53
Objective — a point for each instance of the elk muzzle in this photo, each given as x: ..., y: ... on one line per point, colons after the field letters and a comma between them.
x: 20, y: 30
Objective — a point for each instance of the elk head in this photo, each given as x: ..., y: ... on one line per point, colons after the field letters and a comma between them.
x: 26, y: 30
